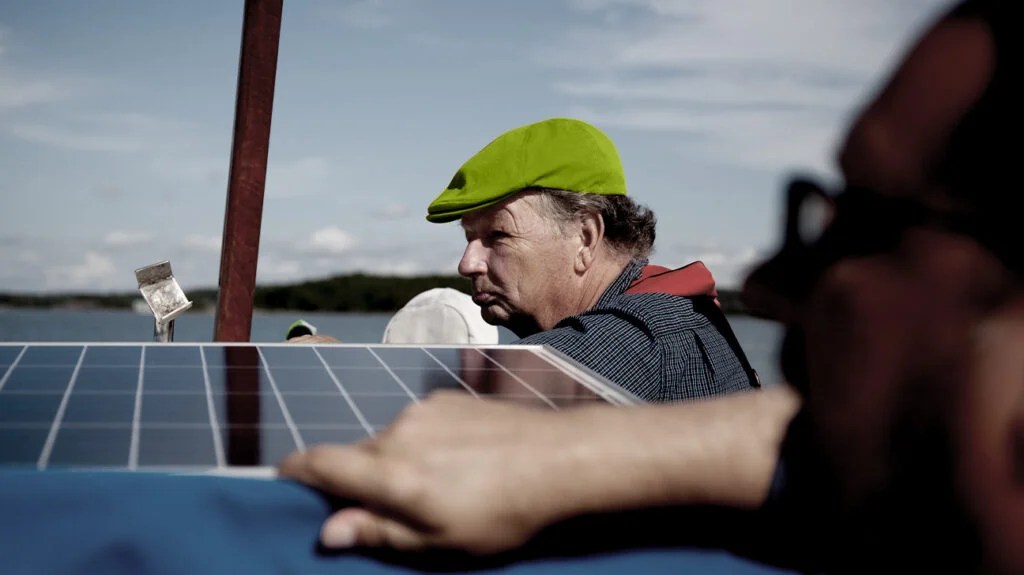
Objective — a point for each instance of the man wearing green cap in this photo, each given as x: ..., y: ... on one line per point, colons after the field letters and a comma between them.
x: 557, y: 253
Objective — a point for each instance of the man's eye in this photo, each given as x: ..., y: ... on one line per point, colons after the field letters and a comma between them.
x: 497, y: 235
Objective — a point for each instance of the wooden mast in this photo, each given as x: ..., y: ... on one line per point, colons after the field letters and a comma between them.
x: 257, y: 68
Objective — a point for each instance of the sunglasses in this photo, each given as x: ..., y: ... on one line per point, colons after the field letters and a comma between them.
x: 822, y: 227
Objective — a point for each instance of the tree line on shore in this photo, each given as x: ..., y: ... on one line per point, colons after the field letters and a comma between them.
x: 343, y: 293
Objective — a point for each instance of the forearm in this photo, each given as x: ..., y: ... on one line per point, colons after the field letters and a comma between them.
x: 484, y: 476
x: 716, y: 452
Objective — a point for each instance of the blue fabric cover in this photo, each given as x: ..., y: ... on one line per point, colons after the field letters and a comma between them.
x: 152, y: 523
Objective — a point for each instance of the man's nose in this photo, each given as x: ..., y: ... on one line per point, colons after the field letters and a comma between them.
x: 473, y: 261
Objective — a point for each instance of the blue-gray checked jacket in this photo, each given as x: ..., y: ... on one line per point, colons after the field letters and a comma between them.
x: 655, y: 345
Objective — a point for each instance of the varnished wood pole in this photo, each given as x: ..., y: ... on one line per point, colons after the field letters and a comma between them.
x: 257, y: 68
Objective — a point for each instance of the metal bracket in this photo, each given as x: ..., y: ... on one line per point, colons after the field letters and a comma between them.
x: 164, y: 296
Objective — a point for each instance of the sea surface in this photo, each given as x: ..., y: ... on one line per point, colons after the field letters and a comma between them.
x: 759, y: 338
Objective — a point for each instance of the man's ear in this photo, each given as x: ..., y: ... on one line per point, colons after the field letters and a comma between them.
x: 591, y: 235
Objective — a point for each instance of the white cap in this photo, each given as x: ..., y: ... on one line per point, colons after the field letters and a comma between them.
x: 441, y: 316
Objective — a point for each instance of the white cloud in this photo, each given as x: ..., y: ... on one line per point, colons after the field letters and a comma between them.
x: 93, y: 272
x: 60, y: 137
x: 747, y: 138
x: 201, y: 243
x: 710, y: 91
x: 399, y: 265
x: 105, y: 132
x: 330, y: 241
x: 825, y: 35
x: 18, y: 90
x: 119, y: 238
x: 728, y: 264
x: 38, y: 264
x: 273, y: 270
x: 330, y: 251
x: 758, y: 84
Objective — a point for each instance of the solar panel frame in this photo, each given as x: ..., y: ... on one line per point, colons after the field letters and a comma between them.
x: 236, y: 408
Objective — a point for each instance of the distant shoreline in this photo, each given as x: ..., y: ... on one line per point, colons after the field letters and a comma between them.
x: 193, y: 311
x: 352, y: 293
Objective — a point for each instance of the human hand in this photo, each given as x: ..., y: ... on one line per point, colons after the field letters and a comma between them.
x: 484, y: 476
x: 452, y: 472
x: 314, y: 338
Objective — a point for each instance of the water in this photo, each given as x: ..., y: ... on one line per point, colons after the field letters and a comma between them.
x: 759, y: 338
x: 122, y: 325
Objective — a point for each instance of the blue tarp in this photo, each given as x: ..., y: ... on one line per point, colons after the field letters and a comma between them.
x: 155, y: 523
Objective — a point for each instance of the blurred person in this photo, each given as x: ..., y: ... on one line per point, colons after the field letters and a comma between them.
x: 439, y: 316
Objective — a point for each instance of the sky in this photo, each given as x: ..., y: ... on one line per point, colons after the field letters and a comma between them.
x: 116, y: 121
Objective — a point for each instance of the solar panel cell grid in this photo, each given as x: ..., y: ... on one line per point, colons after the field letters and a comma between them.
x: 215, y: 406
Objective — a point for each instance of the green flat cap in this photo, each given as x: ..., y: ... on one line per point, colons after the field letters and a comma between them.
x: 559, y: 153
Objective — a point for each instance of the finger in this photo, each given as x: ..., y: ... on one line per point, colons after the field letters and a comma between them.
x: 357, y: 527
x: 343, y: 470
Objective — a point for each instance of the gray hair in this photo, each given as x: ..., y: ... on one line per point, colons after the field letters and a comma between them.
x: 628, y: 226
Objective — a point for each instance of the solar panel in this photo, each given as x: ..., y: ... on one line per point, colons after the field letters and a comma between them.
x: 240, y: 408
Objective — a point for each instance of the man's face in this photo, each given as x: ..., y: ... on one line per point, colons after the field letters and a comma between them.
x: 520, y: 263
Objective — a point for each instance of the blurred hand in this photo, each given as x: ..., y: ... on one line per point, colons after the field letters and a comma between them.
x: 484, y: 476
x: 313, y: 339
x: 452, y: 472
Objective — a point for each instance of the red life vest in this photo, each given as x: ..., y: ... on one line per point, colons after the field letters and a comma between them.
x: 694, y: 281
x: 690, y: 280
